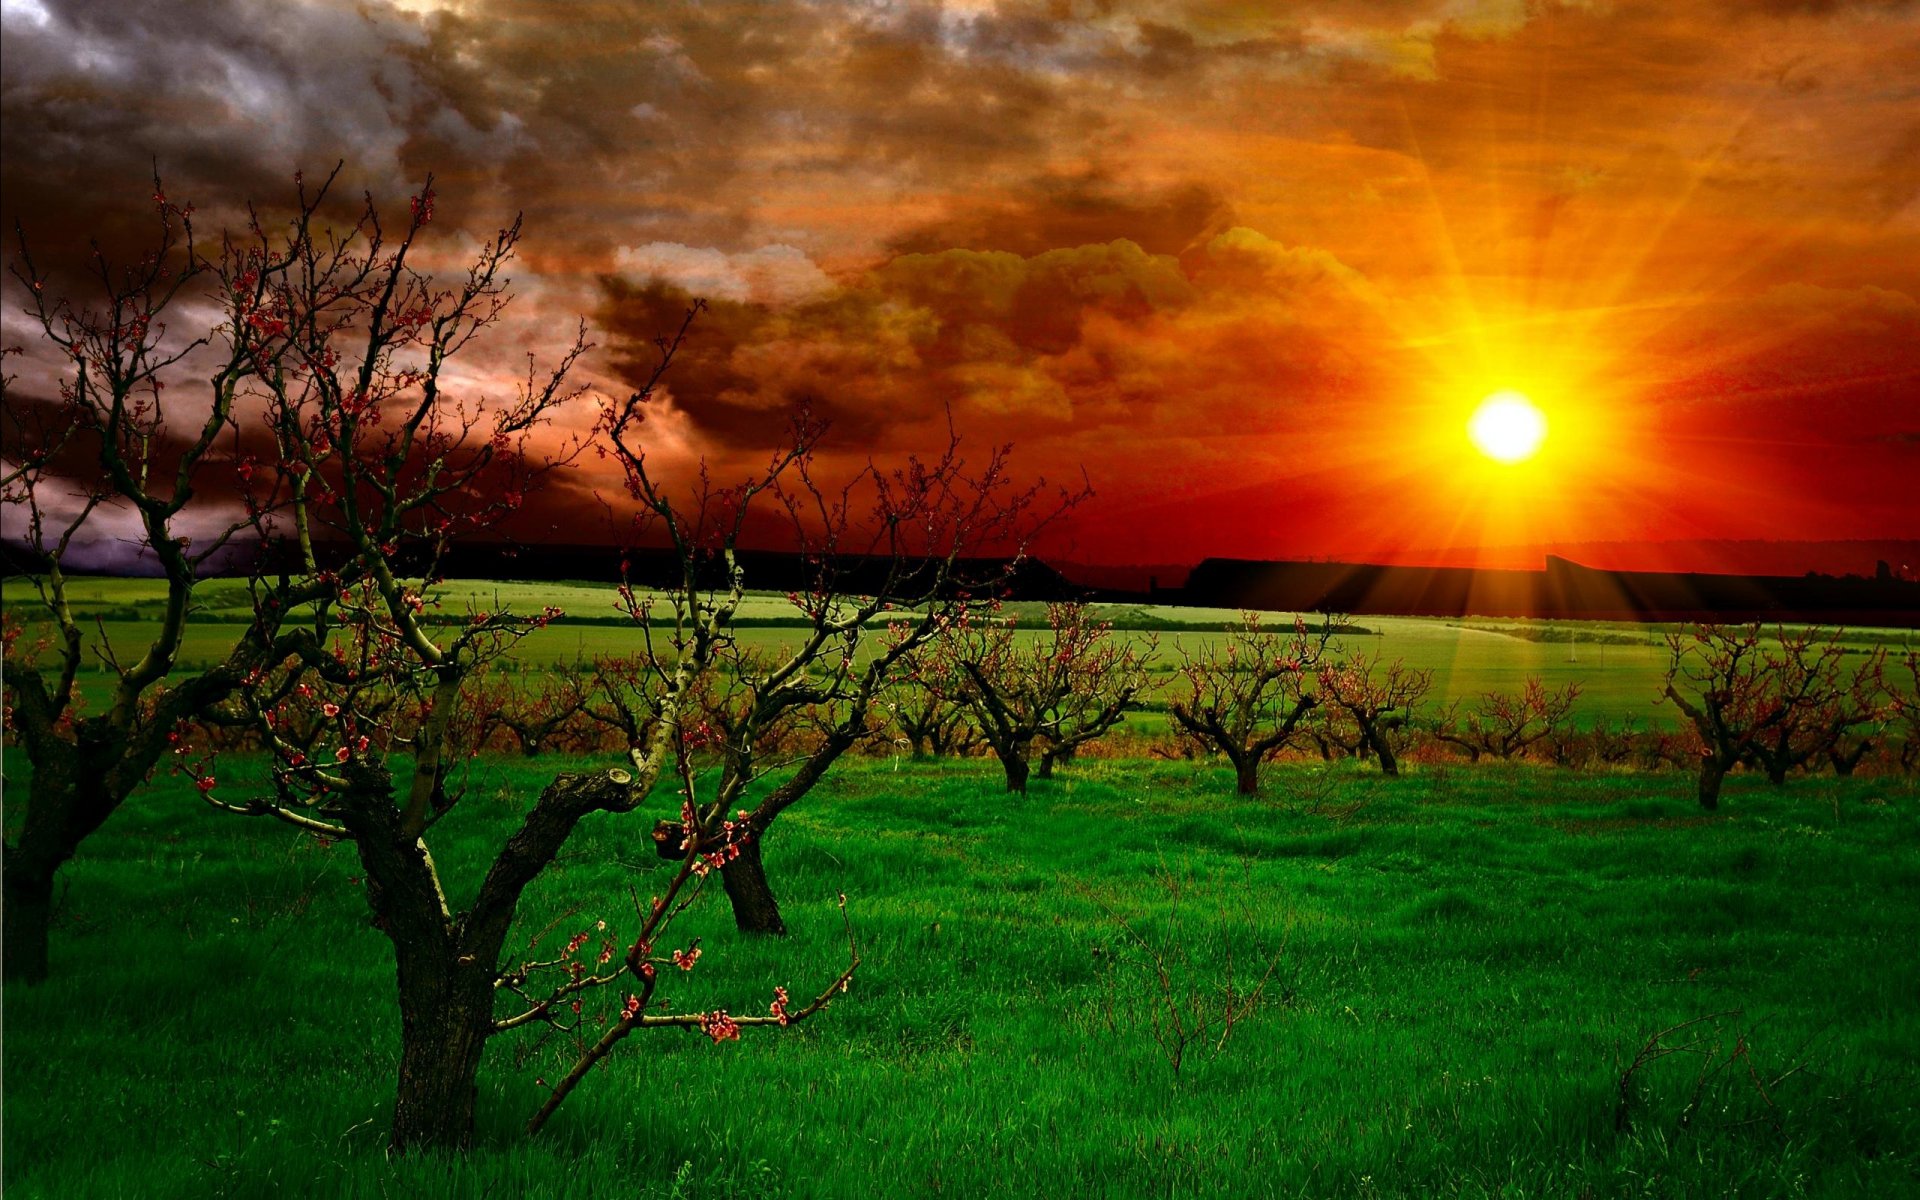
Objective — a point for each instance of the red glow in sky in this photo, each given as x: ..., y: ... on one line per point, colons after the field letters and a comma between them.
x: 1251, y: 267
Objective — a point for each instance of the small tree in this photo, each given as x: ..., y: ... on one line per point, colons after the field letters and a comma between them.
x: 549, y: 712
x: 389, y: 468
x: 1751, y: 699
x: 1833, y: 701
x: 932, y: 723
x: 1245, y: 695
x: 1604, y: 742
x: 1506, y: 725
x: 1062, y: 688
x: 1376, y: 704
x: 888, y: 569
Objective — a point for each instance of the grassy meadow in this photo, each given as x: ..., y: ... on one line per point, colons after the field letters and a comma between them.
x: 1468, y: 960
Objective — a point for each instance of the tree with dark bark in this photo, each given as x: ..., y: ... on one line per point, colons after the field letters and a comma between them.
x: 905, y: 534
x: 1504, y: 724
x: 1060, y: 688
x: 928, y: 719
x: 1604, y: 742
x: 1245, y: 695
x: 545, y: 713
x: 1757, y: 700
x: 1375, y: 703
x: 1830, y: 705
x: 146, y: 414
x: 389, y: 467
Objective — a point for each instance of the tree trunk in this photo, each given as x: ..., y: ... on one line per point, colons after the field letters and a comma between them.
x: 1389, y: 765
x: 754, y: 908
x: 1246, y: 776
x: 1015, y: 762
x: 1844, y: 762
x: 1711, y: 775
x: 446, y: 1016
x: 1045, y: 770
x: 1777, y: 771
x: 66, y: 804
x: 25, y: 920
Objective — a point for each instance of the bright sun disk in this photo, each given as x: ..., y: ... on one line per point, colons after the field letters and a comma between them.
x: 1507, y: 427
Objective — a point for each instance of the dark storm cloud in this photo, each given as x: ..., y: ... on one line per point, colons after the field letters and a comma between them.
x: 1073, y: 339
x: 228, y: 97
x: 1088, y: 207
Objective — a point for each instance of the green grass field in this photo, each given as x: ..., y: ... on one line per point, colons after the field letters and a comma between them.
x: 1471, y: 959
x: 1618, y: 666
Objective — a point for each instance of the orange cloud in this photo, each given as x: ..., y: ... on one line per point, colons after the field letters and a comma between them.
x: 1246, y: 263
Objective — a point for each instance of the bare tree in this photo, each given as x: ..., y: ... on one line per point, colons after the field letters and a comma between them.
x: 1835, y: 704
x: 929, y: 720
x: 1754, y: 699
x: 888, y: 569
x: 1903, y: 708
x: 1375, y: 703
x: 388, y: 466
x: 547, y: 712
x: 1062, y: 688
x: 1506, y: 725
x: 1245, y: 695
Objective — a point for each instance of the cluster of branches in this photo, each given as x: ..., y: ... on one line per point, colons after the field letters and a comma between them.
x: 1367, y: 708
x: 1055, y: 689
x: 1506, y: 725
x: 1245, y: 695
x: 357, y: 462
x: 1779, y: 702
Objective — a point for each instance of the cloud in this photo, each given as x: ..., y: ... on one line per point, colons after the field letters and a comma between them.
x: 1086, y: 207
x: 1208, y: 229
x: 1060, y: 343
x: 768, y: 275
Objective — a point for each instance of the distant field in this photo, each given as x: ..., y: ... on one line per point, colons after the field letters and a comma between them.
x: 1618, y: 665
x: 1469, y: 961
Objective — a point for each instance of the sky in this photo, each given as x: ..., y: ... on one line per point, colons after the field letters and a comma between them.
x: 1247, y: 268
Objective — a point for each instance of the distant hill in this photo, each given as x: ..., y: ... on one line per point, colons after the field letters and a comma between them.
x: 1561, y: 589
x: 1695, y: 556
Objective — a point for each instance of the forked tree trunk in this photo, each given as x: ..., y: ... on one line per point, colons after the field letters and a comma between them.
x: 1389, y: 765
x: 1844, y: 761
x: 446, y: 1017
x: 754, y: 908
x: 1052, y: 756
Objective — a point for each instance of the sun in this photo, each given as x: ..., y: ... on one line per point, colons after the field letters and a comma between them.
x: 1507, y: 427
